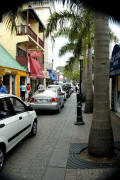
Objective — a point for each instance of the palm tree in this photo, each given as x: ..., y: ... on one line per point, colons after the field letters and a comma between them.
x: 101, y: 135
x: 89, y: 85
x: 81, y: 29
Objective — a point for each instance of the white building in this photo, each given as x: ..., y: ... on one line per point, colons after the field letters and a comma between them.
x: 44, y: 12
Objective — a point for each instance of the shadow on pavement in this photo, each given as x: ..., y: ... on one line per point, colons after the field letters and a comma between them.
x: 48, y: 112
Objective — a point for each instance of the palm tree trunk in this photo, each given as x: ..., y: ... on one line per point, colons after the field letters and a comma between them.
x: 100, y: 142
x: 89, y: 92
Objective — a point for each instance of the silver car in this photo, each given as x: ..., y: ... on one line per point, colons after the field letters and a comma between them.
x: 50, y: 99
x: 59, y: 87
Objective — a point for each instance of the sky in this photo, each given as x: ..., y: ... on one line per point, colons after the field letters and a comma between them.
x: 60, y: 61
x: 59, y: 42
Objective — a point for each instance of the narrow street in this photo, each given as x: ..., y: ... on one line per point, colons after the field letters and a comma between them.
x: 44, y: 156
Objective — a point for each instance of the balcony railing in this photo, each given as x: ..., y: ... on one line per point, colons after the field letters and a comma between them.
x: 26, y: 30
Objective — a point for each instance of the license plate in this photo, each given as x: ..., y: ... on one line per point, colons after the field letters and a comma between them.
x: 42, y: 101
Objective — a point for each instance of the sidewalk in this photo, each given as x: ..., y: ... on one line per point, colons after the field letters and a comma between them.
x: 80, y: 135
x: 54, y: 153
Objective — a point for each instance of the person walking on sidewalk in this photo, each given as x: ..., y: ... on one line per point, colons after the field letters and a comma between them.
x: 23, y: 90
x: 76, y: 88
x: 3, y: 88
x: 28, y: 90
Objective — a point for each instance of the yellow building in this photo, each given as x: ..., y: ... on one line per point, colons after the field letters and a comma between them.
x: 29, y: 37
x: 10, y: 72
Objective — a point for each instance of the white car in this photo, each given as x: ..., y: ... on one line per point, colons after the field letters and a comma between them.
x: 17, y: 120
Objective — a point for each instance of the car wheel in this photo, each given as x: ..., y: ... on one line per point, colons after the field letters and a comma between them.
x: 34, y: 129
x: 2, y: 157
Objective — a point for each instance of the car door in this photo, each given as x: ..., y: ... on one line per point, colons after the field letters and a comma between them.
x: 23, y: 116
x: 8, y: 124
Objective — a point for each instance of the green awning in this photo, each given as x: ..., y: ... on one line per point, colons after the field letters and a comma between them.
x: 6, y: 60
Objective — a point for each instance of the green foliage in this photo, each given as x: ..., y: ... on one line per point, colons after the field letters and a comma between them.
x: 113, y: 37
x: 10, y: 19
x: 77, y: 25
x: 72, y: 75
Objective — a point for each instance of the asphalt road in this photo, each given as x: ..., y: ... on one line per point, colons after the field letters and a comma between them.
x: 44, y: 157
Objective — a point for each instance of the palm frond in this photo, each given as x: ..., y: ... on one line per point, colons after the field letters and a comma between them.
x: 69, y: 64
x: 62, y: 32
x: 62, y: 19
x: 10, y: 19
x: 113, y: 37
x: 69, y: 47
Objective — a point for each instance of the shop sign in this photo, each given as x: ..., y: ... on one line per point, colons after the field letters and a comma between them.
x: 115, y: 61
x: 2, y: 72
x: 36, y: 53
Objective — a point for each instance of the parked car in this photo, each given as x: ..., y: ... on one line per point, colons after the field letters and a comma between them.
x: 67, y: 89
x: 50, y: 99
x: 17, y: 120
x: 60, y: 89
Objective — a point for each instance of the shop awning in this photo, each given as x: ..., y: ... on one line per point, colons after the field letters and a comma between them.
x: 7, y: 61
x: 35, y: 69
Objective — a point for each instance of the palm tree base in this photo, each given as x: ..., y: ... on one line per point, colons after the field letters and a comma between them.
x: 101, y: 143
x: 84, y: 154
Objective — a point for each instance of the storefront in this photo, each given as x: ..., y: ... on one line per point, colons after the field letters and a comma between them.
x: 115, y: 78
x: 10, y: 72
x: 36, y: 73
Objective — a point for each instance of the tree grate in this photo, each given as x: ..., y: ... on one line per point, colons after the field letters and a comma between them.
x: 76, y: 162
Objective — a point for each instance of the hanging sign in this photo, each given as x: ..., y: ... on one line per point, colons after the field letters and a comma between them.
x: 36, y: 53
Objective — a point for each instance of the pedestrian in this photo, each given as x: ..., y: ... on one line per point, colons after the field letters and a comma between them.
x: 3, y: 88
x: 28, y: 90
x: 23, y: 90
x: 76, y: 88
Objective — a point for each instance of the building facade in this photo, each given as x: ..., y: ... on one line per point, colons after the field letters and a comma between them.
x: 44, y: 12
x: 115, y: 78
x: 26, y: 45
x: 10, y: 72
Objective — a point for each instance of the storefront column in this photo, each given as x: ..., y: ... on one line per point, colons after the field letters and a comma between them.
x: 18, y: 85
x: 10, y: 84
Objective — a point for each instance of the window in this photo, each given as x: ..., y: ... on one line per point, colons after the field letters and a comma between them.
x: 21, y: 52
x: 18, y: 106
x: 5, y: 109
